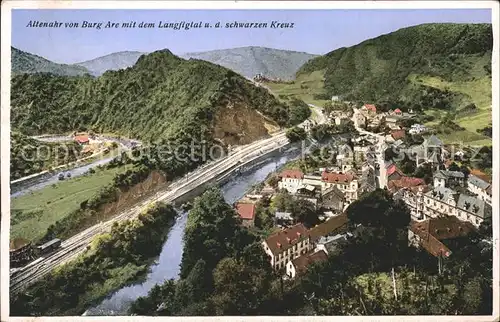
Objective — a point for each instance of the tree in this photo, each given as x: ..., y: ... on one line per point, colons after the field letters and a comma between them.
x: 240, y: 289
x: 273, y: 181
x: 304, y: 211
x: 424, y: 172
x: 296, y: 134
x: 299, y: 111
x: 211, y: 231
x: 160, y: 300
x: 454, y: 167
x: 321, y: 132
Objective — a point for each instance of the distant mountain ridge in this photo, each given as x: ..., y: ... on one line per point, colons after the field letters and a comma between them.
x: 26, y: 63
x: 161, y: 96
x: 246, y: 61
x: 114, y: 61
x: 249, y: 61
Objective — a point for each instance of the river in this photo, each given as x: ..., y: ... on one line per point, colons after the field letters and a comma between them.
x: 167, y: 264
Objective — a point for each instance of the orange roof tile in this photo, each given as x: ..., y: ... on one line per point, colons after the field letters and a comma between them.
x: 246, y: 210
x: 295, y: 174
x: 302, y: 262
x: 332, y: 177
x: 285, y: 239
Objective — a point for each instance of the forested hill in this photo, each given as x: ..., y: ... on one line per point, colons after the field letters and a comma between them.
x: 384, y: 68
x: 23, y: 62
x: 161, y: 96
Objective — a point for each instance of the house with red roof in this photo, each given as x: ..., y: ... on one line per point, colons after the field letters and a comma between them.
x: 405, y: 182
x: 370, y: 108
x: 299, y: 265
x: 398, y: 111
x: 398, y: 134
x: 286, y: 245
x: 82, y: 139
x: 393, y: 173
x: 291, y: 180
x: 347, y: 183
x: 430, y: 234
x: 246, y: 211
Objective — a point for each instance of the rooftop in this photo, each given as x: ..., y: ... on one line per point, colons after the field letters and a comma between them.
x: 406, y: 182
x: 82, y: 138
x: 481, y: 175
x: 246, y: 210
x: 295, y: 174
x: 330, y: 226
x: 333, y: 191
x: 393, y: 169
x: 474, y: 205
x: 332, y: 177
x: 445, y: 174
x: 433, y: 231
x: 302, y: 262
x: 283, y: 215
x: 433, y: 141
x: 285, y: 239
x: 370, y: 107
x: 442, y: 193
x: 478, y: 182
x: 398, y: 134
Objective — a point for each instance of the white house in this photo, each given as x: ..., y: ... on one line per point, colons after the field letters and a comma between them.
x: 299, y: 265
x: 347, y: 183
x: 291, y: 180
x: 287, y: 245
x: 480, y: 187
x: 330, y: 244
x: 445, y: 178
x: 442, y: 201
x: 417, y: 129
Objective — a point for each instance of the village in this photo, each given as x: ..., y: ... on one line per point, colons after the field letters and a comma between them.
x: 305, y: 211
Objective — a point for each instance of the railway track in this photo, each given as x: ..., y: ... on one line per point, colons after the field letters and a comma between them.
x: 78, y: 243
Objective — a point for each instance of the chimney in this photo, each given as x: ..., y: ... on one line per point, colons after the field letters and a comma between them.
x: 299, y: 234
x: 278, y: 244
x: 288, y: 239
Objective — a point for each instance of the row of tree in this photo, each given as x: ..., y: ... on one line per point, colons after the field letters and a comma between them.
x: 113, y: 260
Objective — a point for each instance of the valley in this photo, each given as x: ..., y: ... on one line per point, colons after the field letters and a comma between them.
x: 224, y: 174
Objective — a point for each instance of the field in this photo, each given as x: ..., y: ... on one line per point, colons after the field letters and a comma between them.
x: 479, y: 91
x: 33, y: 213
x: 304, y: 88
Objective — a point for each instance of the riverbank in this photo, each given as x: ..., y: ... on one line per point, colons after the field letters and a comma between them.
x: 113, y: 261
x: 167, y: 266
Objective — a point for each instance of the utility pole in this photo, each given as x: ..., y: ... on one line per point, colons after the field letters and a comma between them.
x: 394, y: 284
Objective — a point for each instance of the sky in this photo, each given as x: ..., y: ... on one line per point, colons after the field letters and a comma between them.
x: 315, y: 31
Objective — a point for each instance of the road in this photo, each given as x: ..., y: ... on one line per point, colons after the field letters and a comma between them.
x: 382, y: 171
x: 320, y: 117
x: 125, y: 145
x: 75, y: 245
